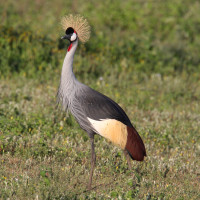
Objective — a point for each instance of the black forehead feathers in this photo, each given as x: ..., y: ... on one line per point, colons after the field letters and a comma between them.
x: 70, y: 30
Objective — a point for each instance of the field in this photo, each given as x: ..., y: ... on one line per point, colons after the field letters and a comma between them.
x: 142, y: 54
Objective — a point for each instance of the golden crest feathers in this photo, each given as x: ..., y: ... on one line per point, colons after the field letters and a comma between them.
x: 79, y: 24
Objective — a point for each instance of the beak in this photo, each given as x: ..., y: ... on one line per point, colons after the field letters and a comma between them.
x: 66, y: 37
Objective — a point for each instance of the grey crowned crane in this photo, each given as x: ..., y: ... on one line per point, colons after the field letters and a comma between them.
x: 95, y: 112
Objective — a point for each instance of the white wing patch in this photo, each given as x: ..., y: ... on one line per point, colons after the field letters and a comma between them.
x: 99, y: 126
x: 113, y: 130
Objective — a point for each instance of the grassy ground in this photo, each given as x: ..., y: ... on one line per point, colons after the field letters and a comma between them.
x: 145, y: 57
x: 46, y: 155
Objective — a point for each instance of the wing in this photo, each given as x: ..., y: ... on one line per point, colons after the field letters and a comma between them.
x: 99, y: 107
x: 97, y: 113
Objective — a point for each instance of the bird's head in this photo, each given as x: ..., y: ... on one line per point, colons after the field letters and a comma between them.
x: 70, y: 34
x: 75, y: 27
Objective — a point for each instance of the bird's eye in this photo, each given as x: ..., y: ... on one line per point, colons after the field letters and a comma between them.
x: 69, y: 31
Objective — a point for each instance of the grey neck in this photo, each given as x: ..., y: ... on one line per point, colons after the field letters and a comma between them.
x: 68, y: 82
x: 67, y: 68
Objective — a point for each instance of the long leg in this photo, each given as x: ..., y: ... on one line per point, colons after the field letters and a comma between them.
x: 128, y: 159
x: 93, y: 161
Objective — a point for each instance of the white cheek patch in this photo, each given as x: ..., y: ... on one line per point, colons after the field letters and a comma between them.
x: 73, y: 37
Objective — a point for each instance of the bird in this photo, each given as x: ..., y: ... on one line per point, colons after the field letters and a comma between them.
x: 96, y: 113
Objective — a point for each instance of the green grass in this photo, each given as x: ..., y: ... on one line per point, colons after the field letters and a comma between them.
x: 145, y: 56
x: 45, y: 154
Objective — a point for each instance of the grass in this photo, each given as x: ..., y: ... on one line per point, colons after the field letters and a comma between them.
x: 142, y: 55
x: 44, y: 154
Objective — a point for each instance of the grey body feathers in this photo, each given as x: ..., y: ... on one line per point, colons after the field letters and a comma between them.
x: 84, y: 102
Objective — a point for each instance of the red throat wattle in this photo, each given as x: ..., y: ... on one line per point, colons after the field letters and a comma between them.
x: 69, y: 48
